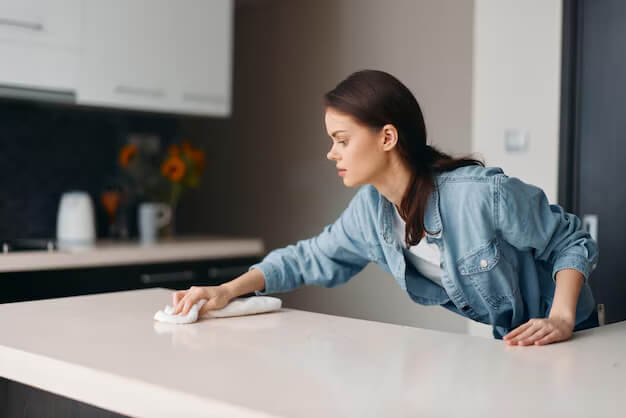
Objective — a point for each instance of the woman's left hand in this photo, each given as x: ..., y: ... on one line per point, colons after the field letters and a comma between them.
x: 540, y: 331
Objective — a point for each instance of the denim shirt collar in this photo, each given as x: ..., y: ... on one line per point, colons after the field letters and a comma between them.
x: 432, y: 217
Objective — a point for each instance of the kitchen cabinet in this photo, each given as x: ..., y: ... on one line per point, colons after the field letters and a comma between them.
x: 40, y: 44
x: 150, y: 55
x: 44, y: 284
x: 157, y: 55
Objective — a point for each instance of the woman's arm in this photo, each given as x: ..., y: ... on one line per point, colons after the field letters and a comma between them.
x: 330, y: 259
x: 528, y: 222
x: 217, y: 296
x: 568, y: 284
x: 246, y: 283
x: 560, y: 324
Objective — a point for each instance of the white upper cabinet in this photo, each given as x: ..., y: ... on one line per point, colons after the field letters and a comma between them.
x: 39, y: 44
x: 160, y: 55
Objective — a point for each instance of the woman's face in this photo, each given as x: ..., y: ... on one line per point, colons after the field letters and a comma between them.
x: 356, y: 149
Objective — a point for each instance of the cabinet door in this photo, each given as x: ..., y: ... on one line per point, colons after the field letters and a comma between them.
x: 52, y: 23
x: 126, y: 54
x: 39, y: 43
x: 203, y: 57
x: 156, y: 55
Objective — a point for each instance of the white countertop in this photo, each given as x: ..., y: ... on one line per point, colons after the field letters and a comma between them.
x: 110, y: 253
x: 107, y: 351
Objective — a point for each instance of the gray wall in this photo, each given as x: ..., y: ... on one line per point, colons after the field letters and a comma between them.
x: 269, y: 175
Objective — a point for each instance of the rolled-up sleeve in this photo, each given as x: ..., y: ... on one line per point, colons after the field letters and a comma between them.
x: 528, y: 222
x: 329, y: 259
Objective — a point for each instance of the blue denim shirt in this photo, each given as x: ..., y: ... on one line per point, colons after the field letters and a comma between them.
x: 501, y: 246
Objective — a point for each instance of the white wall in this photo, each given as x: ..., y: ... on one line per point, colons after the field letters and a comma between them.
x: 517, y: 70
x: 516, y: 84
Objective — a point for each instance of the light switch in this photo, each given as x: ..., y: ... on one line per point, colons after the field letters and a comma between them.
x: 516, y: 140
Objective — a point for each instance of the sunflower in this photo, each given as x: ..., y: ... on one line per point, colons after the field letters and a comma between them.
x: 127, y: 153
x: 173, y: 168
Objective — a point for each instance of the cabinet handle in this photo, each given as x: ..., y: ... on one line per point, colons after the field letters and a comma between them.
x: 177, y: 276
x: 226, y: 272
x: 139, y: 91
x: 22, y: 24
x: 202, y: 98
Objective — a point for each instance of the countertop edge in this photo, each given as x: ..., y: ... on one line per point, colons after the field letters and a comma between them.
x: 125, y: 254
x: 104, y: 390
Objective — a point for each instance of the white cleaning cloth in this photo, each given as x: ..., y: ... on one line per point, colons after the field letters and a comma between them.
x: 236, y: 307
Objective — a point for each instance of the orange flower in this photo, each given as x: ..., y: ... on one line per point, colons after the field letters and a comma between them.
x: 173, y: 168
x: 110, y: 200
x: 197, y: 156
x: 173, y: 150
x: 186, y: 147
x: 127, y: 154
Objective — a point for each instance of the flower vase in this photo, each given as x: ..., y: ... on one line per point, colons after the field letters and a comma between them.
x: 169, y: 230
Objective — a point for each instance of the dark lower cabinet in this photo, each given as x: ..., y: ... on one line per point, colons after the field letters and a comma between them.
x: 23, y: 401
x: 34, y: 285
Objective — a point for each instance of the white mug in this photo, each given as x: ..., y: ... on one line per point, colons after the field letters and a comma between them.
x: 152, y: 217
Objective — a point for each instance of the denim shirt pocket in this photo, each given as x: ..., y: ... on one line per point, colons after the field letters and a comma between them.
x: 492, y: 275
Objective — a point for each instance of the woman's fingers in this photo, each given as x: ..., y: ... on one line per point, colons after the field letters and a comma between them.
x: 178, y: 306
x: 550, y: 338
x: 181, y: 304
x: 190, y: 300
x: 526, y: 334
x: 177, y: 296
x: 207, y: 306
x: 516, y: 331
x: 185, y: 299
x: 539, y: 333
x: 541, y: 336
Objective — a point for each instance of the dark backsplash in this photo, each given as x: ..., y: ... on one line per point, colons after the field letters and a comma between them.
x: 47, y: 149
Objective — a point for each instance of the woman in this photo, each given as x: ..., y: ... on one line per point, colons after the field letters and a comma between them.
x: 451, y: 231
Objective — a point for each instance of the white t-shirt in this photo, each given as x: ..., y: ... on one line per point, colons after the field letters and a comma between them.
x: 425, y: 257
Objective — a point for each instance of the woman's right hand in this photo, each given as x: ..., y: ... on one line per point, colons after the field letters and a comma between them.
x: 217, y: 297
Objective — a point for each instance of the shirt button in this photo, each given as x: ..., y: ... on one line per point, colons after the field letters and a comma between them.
x: 483, y: 263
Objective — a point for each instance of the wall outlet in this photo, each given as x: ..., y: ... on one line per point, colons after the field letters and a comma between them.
x: 516, y: 140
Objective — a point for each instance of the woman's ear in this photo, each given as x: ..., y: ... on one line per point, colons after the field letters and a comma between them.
x: 390, y: 137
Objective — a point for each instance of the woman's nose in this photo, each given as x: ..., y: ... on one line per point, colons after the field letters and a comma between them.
x: 331, y: 155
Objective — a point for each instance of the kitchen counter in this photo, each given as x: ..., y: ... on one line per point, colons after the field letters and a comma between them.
x: 109, y: 253
x: 105, y: 350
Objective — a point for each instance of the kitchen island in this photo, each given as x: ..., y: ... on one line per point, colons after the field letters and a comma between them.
x: 105, y: 350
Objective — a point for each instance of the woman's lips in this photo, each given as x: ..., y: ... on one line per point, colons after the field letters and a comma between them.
x: 341, y: 172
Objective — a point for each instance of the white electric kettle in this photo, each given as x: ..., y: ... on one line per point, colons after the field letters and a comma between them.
x: 76, y: 226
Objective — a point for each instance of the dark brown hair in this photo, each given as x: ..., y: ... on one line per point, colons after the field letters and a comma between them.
x: 375, y: 99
